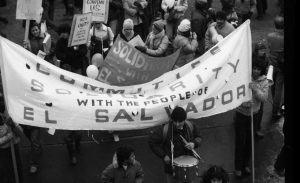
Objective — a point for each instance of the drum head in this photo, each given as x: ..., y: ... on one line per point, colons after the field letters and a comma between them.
x: 185, y: 161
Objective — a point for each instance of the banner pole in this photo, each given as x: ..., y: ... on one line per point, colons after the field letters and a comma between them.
x: 14, y: 161
x: 252, y: 144
x: 26, y: 30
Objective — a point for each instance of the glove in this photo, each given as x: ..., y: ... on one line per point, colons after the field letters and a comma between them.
x: 141, y: 48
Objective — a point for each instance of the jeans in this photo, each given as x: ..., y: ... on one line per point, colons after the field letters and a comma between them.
x: 72, y: 140
x: 33, y: 135
x: 243, y: 140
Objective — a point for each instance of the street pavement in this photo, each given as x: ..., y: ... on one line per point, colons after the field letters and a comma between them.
x: 97, y: 147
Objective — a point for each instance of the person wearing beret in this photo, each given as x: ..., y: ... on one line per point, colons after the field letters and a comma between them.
x: 157, y: 41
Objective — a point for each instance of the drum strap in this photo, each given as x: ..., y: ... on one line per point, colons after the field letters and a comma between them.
x: 166, y: 129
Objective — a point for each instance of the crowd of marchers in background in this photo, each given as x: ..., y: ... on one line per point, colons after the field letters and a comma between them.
x: 164, y: 29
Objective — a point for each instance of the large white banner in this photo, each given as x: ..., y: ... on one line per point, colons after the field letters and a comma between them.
x: 40, y: 94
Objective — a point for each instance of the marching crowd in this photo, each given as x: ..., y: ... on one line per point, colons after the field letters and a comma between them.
x: 164, y: 29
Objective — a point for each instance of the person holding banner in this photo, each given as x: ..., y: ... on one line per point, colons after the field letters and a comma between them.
x: 243, y: 117
x: 100, y: 37
x: 259, y: 55
x: 128, y: 32
x: 36, y: 41
x: 157, y: 41
x: 170, y: 134
x: 34, y: 45
x: 217, y: 30
x: 187, y: 41
x: 124, y: 168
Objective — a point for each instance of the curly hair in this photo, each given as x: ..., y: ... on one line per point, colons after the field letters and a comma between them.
x: 123, y: 154
x: 215, y: 172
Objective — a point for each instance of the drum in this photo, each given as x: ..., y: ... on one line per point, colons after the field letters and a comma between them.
x: 185, y: 168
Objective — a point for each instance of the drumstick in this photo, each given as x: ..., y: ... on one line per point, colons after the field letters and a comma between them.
x: 172, y: 151
x: 193, y: 150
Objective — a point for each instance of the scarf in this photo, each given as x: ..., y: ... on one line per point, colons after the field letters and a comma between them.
x: 152, y: 37
x: 128, y: 36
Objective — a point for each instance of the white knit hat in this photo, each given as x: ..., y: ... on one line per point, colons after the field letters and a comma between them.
x: 128, y: 24
x: 185, y: 25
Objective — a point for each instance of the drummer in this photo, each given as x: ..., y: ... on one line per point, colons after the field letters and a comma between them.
x: 160, y: 140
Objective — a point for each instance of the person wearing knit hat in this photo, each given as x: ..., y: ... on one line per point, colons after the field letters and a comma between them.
x: 128, y: 30
x: 160, y: 141
x: 157, y: 41
x: 159, y: 25
x: 187, y: 41
x: 185, y: 25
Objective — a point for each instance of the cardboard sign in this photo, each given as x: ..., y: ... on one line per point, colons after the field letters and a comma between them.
x: 41, y: 54
x: 28, y: 9
x: 98, y: 8
x: 47, y: 43
x: 124, y: 65
x: 80, y: 29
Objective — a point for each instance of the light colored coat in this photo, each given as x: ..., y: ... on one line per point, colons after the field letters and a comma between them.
x: 188, y: 48
x: 259, y: 94
x: 157, y: 44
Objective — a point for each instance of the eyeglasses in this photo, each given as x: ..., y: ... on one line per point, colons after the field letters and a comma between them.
x: 128, y: 29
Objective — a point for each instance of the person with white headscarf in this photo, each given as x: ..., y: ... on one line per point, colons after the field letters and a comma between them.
x: 127, y: 32
x: 187, y: 41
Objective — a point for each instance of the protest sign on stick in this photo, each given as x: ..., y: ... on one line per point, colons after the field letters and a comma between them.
x: 80, y: 29
x: 98, y: 8
x: 28, y: 10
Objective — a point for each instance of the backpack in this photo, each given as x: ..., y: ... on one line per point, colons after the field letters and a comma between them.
x: 166, y: 129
